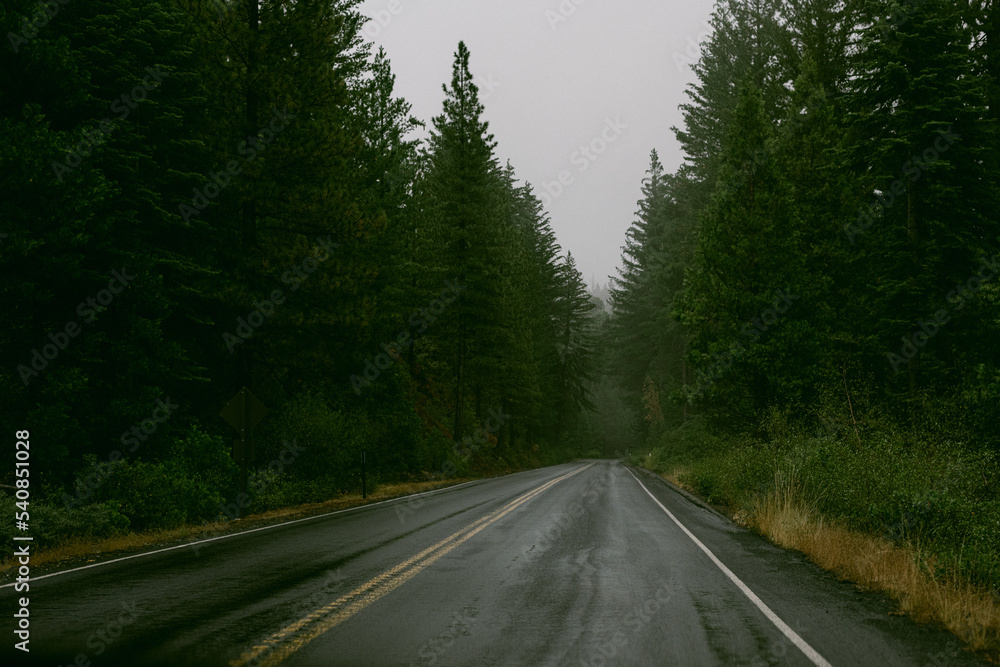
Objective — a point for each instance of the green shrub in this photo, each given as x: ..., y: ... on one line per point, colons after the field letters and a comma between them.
x: 930, y: 490
x: 686, y: 443
x: 52, y: 524
x: 206, y: 461
x: 329, y: 442
x: 271, y: 490
x: 186, y: 488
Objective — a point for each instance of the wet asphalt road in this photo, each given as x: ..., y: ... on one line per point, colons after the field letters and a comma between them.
x: 576, y: 564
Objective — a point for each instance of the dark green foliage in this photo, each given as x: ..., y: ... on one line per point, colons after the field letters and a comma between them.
x: 245, y: 177
x: 940, y: 498
x: 649, y: 341
x: 918, y: 116
x: 747, y: 46
x: 749, y: 278
x: 836, y: 226
x: 52, y: 524
x: 89, y: 176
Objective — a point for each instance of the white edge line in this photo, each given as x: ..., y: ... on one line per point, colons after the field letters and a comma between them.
x: 255, y: 530
x: 792, y: 636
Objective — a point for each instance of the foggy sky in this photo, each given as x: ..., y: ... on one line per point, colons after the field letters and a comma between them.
x: 561, y: 80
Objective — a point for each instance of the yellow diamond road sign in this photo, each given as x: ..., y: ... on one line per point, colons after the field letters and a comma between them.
x: 244, y: 412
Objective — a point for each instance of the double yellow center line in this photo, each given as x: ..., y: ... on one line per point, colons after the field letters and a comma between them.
x: 290, y: 639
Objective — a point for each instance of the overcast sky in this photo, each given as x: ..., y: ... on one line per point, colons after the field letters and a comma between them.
x: 557, y: 77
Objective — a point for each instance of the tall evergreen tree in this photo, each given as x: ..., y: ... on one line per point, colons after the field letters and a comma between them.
x: 291, y: 217
x: 118, y: 147
x: 466, y: 224
x: 919, y: 138
x: 650, y: 341
x: 743, y: 48
x: 386, y: 166
x: 573, y: 321
x: 748, y: 274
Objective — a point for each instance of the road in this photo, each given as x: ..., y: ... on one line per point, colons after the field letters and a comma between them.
x: 586, y: 563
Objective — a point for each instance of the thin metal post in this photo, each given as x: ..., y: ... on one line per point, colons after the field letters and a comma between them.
x: 364, y: 484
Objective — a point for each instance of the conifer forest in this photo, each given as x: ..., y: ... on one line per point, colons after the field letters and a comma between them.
x: 202, y: 196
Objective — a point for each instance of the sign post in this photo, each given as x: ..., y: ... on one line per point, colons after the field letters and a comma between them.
x: 243, y: 413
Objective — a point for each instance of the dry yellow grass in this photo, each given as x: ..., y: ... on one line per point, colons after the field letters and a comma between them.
x: 91, y: 550
x: 675, y: 476
x: 873, y: 563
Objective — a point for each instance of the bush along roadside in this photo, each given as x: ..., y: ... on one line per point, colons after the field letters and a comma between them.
x: 919, y: 522
x: 307, y: 457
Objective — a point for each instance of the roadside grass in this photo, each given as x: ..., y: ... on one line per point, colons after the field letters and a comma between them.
x: 909, y: 575
x: 76, y: 549
x: 676, y: 477
x: 913, y: 513
x: 905, y: 572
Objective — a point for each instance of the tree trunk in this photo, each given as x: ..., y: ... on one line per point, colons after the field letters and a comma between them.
x: 252, y: 125
x: 913, y: 367
x: 684, y: 381
x: 458, y: 396
x: 992, y: 25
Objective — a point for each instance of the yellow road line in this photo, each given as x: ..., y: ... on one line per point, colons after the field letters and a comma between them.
x: 291, y: 638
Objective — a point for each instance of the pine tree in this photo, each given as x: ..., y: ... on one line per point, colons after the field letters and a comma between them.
x: 746, y: 40
x: 807, y: 153
x: 113, y: 130
x: 572, y: 318
x: 387, y: 167
x: 466, y: 219
x: 919, y: 137
x: 523, y: 383
x: 293, y: 217
x: 820, y: 34
x: 658, y: 249
x: 747, y: 276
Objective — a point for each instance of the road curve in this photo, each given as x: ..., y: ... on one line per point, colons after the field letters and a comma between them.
x: 588, y: 563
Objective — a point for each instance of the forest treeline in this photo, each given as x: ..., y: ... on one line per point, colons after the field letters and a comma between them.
x: 816, y: 290
x: 202, y: 195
